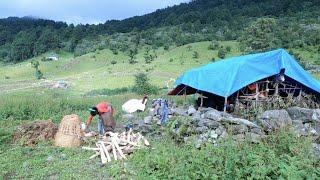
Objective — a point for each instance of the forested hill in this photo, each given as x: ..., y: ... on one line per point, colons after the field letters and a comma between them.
x: 257, y: 24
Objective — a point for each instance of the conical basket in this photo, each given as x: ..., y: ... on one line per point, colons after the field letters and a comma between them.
x: 69, y: 133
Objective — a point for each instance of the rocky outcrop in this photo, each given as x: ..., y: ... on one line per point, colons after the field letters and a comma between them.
x: 207, y: 125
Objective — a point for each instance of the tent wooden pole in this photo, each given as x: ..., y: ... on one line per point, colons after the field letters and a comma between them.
x: 185, y: 95
x: 225, y: 104
x: 257, y: 94
x: 201, y: 104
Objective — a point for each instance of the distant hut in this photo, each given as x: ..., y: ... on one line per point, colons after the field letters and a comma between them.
x: 53, y: 57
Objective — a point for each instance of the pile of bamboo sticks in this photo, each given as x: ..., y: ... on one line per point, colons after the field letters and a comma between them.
x: 117, y: 146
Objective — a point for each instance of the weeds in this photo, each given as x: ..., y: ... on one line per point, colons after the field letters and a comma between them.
x: 280, y: 155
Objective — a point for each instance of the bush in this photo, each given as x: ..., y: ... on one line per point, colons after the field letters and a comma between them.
x: 221, y: 53
x: 195, y: 55
x: 228, y: 48
x: 113, y: 62
x: 279, y: 156
x: 39, y: 74
x: 142, y: 85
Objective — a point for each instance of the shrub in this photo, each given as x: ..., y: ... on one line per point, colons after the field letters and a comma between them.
x: 113, y: 62
x: 195, y: 55
x: 142, y: 85
x: 221, y: 53
x: 228, y: 48
x: 132, y: 61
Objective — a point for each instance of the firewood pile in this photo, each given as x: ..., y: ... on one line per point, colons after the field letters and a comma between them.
x: 117, y: 146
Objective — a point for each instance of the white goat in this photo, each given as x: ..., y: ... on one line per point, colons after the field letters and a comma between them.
x: 134, y: 105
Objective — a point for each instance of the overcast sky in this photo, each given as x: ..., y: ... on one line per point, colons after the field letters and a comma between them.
x: 82, y: 11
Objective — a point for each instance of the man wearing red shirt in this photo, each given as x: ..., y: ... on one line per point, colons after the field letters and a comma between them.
x: 106, y: 121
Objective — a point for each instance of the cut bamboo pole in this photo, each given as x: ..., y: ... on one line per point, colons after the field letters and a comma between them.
x: 90, y: 149
x: 95, y: 155
x: 104, y: 159
x: 106, y: 152
x: 113, y: 140
x: 114, y: 152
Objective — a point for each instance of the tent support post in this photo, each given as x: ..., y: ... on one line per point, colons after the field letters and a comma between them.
x: 277, y: 89
x: 257, y: 95
x: 225, y: 104
x: 201, y: 104
x: 185, y: 95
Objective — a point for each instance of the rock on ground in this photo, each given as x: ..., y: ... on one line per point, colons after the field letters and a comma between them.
x: 274, y: 120
x: 303, y: 114
x: 212, y: 114
x: 191, y: 110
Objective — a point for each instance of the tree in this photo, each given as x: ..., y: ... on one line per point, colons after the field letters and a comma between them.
x: 261, y: 35
x: 189, y: 47
x: 195, y: 55
x: 23, y: 45
x: 143, y: 86
x: 221, y: 53
x: 48, y: 40
x: 35, y: 65
x: 132, y: 54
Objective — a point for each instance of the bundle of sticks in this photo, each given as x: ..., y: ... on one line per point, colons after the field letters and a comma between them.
x: 117, y: 146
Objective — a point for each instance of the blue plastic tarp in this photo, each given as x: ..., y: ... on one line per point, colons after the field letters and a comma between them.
x: 225, y: 77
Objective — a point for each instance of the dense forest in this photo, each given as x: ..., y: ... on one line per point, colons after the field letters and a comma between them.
x: 257, y: 24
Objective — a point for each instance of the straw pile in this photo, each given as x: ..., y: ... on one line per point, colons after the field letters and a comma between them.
x: 116, y: 146
x: 69, y: 133
x: 31, y: 133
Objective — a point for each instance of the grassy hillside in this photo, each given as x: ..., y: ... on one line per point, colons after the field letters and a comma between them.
x: 95, y: 71
x: 24, y: 99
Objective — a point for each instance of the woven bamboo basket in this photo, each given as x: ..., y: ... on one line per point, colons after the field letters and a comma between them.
x: 69, y: 133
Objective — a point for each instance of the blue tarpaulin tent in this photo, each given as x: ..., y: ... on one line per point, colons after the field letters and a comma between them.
x: 223, y: 78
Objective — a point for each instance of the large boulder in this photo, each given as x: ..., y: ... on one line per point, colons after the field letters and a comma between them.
x: 208, y: 123
x: 303, y: 114
x: 238, y: 129
x: 191, y: 110
x: 316, y: 115
x: 179, y: 111
x: 197, y: 114
x: 232, y: 120
x: 274, y: 120
x: 201, y: 129
x: 212, y: 114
